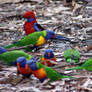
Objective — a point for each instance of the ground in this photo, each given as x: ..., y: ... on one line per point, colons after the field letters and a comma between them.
x: 54, y: 16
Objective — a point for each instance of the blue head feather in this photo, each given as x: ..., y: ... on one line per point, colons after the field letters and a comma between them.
x: 30, y: 20
x: 50, y: 34
x: 2, y: 50
x: 22, y: 61
x: 32, y: 64
x: 48, y: 51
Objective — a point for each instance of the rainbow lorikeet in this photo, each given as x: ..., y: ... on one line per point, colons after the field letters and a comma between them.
x: 42, y: 72
x: 48, y: 58
x: 72, y: 56
x: 37, y: 39
x: 21, y: 67
x: 10, y: 57
x: 87, y: 65
x: 31, y: 24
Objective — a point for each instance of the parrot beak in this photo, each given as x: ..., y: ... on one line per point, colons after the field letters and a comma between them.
x: 53, y: 36
x: 48, y: 54
x: 61, y: 37
x: 18, y: 64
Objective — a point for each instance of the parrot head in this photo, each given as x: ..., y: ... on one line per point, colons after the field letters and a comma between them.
x: 2, y: 50
x: 49, y: 34
x: 32, y: 64
x: 30, y: 16
x: 21, y: 61
x: 48, y: 54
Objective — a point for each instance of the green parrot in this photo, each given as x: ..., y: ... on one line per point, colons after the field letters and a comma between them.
x: 10, y: 57
x: 51, y: 73
x: 72, y: 56
x: 87, y: 65
x: 37, y: 39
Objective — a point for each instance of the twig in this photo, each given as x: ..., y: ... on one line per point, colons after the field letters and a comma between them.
x: 61, y: 65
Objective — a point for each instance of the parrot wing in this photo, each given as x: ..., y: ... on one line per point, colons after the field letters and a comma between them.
x: 30, y: 39
x: 53, y: 75
x: 11, y: 56
x: 38, y: 27
x: 86, y: 65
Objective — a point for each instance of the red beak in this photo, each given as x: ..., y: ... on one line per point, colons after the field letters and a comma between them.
x: 53, y: 36
x: 49, y: 54
x: 18, y: 64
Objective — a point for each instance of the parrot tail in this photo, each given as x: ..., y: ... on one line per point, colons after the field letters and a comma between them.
x: 75, y: 68
x: 9, y: 46
x: 61, y: 37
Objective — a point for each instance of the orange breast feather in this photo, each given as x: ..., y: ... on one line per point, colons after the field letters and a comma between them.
x: 24, y: 70
x: 40, y: 73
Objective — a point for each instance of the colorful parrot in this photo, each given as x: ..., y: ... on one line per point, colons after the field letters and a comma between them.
x: 31, y: 24
x: 10, y: 57
x: 37, y: 39
x: 48, y: 58
x: 21, y: 67
x: 72, y: 56
x: 87, y: 65
x: 43, y: 72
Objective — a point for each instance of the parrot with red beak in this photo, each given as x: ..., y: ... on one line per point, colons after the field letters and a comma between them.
x: 48, y: 58
x: 43, y: 72
x: 21, y: 67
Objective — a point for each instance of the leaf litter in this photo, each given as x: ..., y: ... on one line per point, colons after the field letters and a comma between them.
x: 50, y: 14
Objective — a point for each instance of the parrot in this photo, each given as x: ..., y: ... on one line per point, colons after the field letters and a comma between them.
x: 31, y: 24
x: 43, y: 72
x: 87, y: 65
x: 21, y: 67
x: 37, y: 39
x: 48, y: 58
x: 72, y: 56
x: 10, y: 57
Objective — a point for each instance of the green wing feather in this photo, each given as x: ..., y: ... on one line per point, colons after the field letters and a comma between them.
x: 87, y: 66
x: 28, y: 40
x: 11, y: 56
x: 72, y: 55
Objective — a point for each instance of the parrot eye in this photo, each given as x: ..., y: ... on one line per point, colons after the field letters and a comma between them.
x: 29, y: 16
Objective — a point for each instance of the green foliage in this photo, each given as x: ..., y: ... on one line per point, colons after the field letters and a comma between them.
x: 72, y: 56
